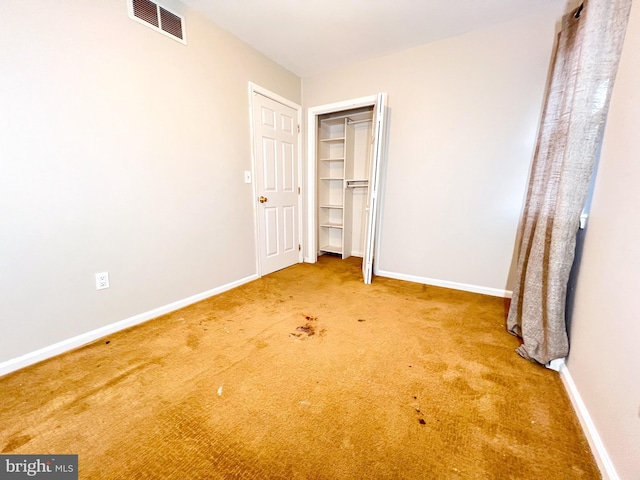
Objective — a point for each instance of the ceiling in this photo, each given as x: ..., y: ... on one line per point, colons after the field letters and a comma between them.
x: 313, y: 36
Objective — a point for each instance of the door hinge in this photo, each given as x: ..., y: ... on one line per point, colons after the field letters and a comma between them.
x: 298, y: 190
x: 299, y: 247
x: 298, y: 128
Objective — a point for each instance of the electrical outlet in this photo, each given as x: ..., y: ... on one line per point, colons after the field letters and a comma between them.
x: 102, y: 280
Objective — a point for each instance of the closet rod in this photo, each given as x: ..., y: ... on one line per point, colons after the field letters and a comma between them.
x: 357, y: 183
x: 353, y: 122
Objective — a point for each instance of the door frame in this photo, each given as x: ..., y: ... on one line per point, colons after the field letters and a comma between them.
x: 257, y: 89
x: 311, y: 250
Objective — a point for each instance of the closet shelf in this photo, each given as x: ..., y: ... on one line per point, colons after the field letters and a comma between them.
x: 332, y: 178
x: 331, y: 206
x: 331, y: 249
x: 354, y: 122
x: 332, y: 159
x: 331, y: 225
x: 331, y: 140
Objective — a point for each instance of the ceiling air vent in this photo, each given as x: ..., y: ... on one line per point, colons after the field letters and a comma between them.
x: 158, y: 18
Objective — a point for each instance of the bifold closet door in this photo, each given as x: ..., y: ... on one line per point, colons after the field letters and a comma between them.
x: 374, y: 182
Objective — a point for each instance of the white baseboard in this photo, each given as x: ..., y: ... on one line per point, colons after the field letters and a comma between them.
x: 494, y: 292
x: 22, y: 361
x: 603, y: 460
x: 556, y: 364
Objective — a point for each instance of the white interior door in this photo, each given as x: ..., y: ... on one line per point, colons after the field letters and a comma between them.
x: 374, y: 182
x: 276, y: 177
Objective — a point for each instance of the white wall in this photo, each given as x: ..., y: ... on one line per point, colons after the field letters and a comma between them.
x: 121, y: 150
x: 604, y: 361
x: 464, y: 114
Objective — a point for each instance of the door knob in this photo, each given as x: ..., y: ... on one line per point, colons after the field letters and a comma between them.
x: 263, y: 199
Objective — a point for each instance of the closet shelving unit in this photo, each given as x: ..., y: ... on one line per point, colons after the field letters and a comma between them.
x: 342, y: 170
x: 331, y: 182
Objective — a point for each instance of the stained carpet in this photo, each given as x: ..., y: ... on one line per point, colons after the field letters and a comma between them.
x: 306, y: 373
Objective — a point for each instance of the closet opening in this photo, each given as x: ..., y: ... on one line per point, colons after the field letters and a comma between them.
x: 344, y: 152
x: 343, y: 168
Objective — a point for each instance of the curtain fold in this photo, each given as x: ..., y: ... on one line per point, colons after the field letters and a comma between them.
x: 582, y: 76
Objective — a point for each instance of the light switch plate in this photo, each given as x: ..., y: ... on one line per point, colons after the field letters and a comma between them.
x: 247, y: 176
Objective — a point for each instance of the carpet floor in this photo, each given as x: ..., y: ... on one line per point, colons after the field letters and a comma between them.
x: 306, y: 373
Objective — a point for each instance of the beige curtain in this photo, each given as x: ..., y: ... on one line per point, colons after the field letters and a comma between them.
x: 583, y: 72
